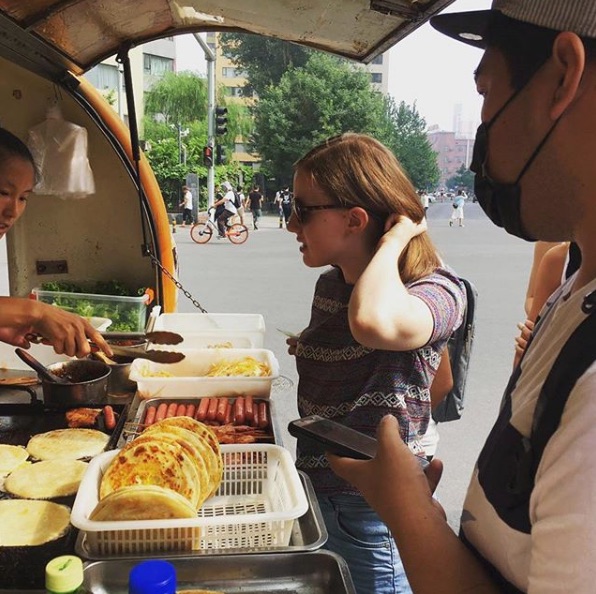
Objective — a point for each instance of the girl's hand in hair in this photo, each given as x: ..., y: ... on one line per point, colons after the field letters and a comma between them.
x: 402, y: 229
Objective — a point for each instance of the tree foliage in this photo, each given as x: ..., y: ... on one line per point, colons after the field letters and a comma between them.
x: 325, y: 97
x: 264, y: 59
x: 463, y: 179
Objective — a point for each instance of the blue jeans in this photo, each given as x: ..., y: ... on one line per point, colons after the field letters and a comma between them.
x: 362, y: 539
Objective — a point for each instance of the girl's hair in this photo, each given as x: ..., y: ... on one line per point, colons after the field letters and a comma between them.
x: 357, y: 170
x: 11, y: 146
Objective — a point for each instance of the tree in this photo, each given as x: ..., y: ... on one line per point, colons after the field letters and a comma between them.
x: 324, y: 98
x: 463, y: 179
x: 264, y: 59
x: 405, y: 134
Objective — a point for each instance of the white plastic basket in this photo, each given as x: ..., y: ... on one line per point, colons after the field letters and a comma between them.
x: 255, y: 507
x: 187, y: 378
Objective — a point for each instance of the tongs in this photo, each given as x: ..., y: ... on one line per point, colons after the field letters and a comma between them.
x: 155, y: 337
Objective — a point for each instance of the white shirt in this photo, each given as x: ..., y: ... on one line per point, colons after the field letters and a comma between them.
x: 229, y: 202
x: 187, y: 199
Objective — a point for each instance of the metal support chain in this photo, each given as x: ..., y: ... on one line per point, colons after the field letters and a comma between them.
x: 178, y: 284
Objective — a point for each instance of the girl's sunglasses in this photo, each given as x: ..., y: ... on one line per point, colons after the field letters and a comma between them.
x: 301, y: 212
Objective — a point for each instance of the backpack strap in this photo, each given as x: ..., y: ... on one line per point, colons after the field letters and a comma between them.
x: 577, y: 354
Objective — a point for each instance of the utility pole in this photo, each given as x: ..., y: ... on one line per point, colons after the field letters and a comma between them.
x: 210, y: 59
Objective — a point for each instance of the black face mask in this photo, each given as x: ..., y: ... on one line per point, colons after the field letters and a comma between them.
x: 500, y: 201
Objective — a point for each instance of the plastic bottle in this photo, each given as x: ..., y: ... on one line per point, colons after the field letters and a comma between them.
x: 152, y: 577
x: 64, y: 575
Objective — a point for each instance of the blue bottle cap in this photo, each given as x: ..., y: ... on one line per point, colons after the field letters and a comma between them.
x: 152, y: 577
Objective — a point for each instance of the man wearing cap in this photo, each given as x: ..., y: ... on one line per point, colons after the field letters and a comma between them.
x: 529, y: 518
x: 229, y: 208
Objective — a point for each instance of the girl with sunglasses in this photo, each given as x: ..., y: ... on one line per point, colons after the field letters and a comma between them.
x: 380, y: 318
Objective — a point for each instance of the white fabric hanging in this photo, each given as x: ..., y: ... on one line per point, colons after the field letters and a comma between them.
x: 59, y: 149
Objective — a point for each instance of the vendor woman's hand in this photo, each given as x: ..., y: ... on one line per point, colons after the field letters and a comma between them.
x: 68, y: 333
x: 402, y: 229
x: 394, y: 478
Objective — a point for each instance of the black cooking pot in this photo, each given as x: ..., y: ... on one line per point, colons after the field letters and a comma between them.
x: 87, y: 384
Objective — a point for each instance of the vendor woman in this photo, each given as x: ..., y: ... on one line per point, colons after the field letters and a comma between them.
x: 68, y: 333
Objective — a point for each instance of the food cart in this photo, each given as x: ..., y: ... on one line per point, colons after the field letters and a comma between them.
x: 121, y: 231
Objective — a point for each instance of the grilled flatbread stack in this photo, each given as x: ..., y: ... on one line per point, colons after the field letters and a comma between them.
x: 67, y: 444
x: 167, y: 472
x: 30, y: 523
x: 46, y: 479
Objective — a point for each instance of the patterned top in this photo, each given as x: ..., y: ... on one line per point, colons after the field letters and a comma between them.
x: 342, y: 380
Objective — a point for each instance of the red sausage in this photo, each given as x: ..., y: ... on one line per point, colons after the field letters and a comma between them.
x: 248, y: 407
x: 109, y: 417
x: 181, y: 410
x: 239, y: 412
x: 212, y: 410
x: 162, y: 409
x: 222, y: 406
x: 263, y: 421
x: 190, y: 410
x: 172, y: 410
x: 254, y: 421
x: 150, y: 415
x: 202, y: 409
x: 229, y: 414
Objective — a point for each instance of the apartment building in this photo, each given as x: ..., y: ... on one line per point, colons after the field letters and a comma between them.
x: 452, y: 150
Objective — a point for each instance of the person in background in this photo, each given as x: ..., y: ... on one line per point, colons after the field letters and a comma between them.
x: 68, y: 333
x: 226, y: 207
x: 457, y: 214
x: 381, y: 316
x: 241, y: 200
x: 534, y: 160
x: 186, y: 205
x: 424, y: 200
x: 255, y: 203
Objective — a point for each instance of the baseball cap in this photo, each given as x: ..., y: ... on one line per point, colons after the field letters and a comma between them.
x: 578, y: 16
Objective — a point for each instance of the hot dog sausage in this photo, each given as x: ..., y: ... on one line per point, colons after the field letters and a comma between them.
x: 181, y: 410
x: 248, y: 407
x: 222, y: 407
x: 239, y: 411
x: 212, y: 410
x: 202, y: 409
x: 229, y: 414
x: 109, y: 417
x: 150, y: 415
x: 190, y: 410
x: 262, y: 419
x: 171, y: 410
x: 162, y: 410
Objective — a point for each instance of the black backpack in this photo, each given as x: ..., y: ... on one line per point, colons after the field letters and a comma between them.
x: 237, y: 201
x: 460, y: 351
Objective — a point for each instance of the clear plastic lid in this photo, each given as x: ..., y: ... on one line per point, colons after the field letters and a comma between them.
x: 152, y: 577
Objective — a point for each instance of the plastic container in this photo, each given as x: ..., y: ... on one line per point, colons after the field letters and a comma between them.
x: 188, y: 377
x: 255, y: 507
x: 128, y: 314
x: 205, y: 329
x: 64, y: 575
x: 152, y: 577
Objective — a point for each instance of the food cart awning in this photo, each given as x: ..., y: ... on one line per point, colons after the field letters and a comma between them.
x: 77, y: 34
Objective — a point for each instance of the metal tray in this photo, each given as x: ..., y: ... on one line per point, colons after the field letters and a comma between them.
x: 133, y: 427
x: 320, y: 572
x: 308, y: 534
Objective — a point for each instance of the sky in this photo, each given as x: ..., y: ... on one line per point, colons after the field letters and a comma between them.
x: 426, y: 68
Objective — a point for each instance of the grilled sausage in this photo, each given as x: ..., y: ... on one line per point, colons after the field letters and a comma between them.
x: 181, y: 410
x: 212, y: 410
x: 263, y: 417
x: 222, y: 407
x: 109, y: 417
x: 202, y: 409
x: 162, y: 410
x: 190, y: 410
x: 248, y: 407
x: 172, y: 408
x: 150, y: 415
x: 239, y: 411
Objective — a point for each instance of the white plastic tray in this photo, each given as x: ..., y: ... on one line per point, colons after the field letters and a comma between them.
x: 188, y: 376
x: 255, y: 507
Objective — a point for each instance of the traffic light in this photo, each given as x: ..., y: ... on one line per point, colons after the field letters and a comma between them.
x: 208, y: 156
x: 220, y: 155
x: 221, y: 120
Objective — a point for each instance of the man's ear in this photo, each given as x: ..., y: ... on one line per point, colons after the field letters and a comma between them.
x: 569, y: 58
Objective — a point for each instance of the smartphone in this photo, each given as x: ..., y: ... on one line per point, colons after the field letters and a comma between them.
x: 337, y: 438
x: 288, y: 333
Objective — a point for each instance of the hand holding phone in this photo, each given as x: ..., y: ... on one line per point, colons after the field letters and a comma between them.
x: 337, y: 438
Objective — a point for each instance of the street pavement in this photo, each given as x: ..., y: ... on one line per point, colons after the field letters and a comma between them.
x: 266, y: 275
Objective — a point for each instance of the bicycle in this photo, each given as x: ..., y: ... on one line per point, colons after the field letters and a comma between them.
x: 203, y: 231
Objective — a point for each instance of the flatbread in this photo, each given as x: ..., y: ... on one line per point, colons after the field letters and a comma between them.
x: 11, y: 457
x: 67, y: 444
x: 142, y: 502
x: 47, y: 479
x: 30, y: 523
x: 147, y: 461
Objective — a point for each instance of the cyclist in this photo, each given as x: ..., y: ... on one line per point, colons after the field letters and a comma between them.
x: 229, y: 209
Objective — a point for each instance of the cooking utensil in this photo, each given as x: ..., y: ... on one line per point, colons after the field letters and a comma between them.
x: 88, y: 385
x: 156, y: 337
x: 152, y: 355
x: 42, y: 370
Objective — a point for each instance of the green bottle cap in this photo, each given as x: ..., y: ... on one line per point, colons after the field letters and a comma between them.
x: 64, y: 574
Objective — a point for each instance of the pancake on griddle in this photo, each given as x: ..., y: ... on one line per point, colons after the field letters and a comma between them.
x: 147, y: 461
x: 47, y: 479
x: 11, y: 457
x: 67, y: 444
x: 142, y: 502
x: 27, y: 522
